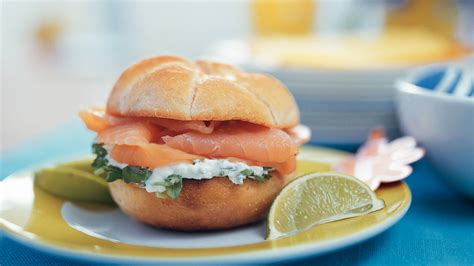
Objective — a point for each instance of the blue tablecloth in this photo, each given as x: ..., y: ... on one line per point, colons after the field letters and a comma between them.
x: 437, y: 230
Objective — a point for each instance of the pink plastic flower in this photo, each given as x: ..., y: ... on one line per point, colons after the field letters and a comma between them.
x: 379, y: 161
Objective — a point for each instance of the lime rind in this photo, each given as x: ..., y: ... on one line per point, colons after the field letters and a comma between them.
x: 273, y: 232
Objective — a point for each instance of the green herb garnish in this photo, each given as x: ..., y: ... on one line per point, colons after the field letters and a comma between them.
x: 176, y: 184
x: 173, y: 184
x: 112, y: 173
x: 100, y: 161
x: 132, y: 174
x: 136, y: 174
x: 129, y: 174
x: 259, y: 178
x: 247, y: 172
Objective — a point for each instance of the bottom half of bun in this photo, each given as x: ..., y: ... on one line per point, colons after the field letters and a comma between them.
x: 211, y: 204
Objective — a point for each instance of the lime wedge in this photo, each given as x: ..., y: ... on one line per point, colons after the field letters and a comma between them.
x: 318, y: 198
x: 73, y: 184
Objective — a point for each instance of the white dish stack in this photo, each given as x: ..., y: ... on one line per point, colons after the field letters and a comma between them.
x: 342, y: 106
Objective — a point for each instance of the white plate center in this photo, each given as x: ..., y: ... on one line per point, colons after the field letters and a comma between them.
x: 113, y: 225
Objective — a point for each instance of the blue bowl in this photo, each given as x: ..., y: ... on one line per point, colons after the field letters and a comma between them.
x: 443, y: 124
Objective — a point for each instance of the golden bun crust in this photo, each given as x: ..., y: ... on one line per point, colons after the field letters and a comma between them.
x: 175, y: 88
x: 211, y: 204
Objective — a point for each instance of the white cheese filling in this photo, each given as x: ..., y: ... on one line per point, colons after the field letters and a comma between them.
x: 198, y: 170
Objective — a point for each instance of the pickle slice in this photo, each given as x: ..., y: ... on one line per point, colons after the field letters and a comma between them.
x: 73, y: 184
x: 84, y: 165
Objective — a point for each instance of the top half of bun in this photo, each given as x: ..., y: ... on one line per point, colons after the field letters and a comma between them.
x: 175, y: 88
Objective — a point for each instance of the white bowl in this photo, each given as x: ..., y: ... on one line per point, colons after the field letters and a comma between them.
x: 444, y: 125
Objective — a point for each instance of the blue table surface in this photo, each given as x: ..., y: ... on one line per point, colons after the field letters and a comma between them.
x: 437, y: 230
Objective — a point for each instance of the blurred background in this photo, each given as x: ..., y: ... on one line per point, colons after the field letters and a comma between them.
x: 339, y: 58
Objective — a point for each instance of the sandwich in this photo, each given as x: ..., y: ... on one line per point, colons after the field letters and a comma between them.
x: 197, y: 145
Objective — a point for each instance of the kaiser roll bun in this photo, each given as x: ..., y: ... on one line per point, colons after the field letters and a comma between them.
x: 175, y: 88
x: 211, y: 204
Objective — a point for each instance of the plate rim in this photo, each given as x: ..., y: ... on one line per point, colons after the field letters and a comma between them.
x: 267, y: 255
x: 287, y: 253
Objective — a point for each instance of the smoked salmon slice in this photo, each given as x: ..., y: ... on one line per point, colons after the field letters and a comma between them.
x: 96, y: 119
x: 249, y: 142
x: 150, y: 155
x: 185, y: 126
x: 136, y: 133
x: 157, y: 142
x: 155, y: 155
x: 285, y: 168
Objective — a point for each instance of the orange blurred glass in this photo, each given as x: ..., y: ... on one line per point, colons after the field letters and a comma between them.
x: 272, y: 17
x: 433, y: 15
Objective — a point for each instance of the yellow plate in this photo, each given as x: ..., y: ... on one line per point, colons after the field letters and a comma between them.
x: 43, y: 221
